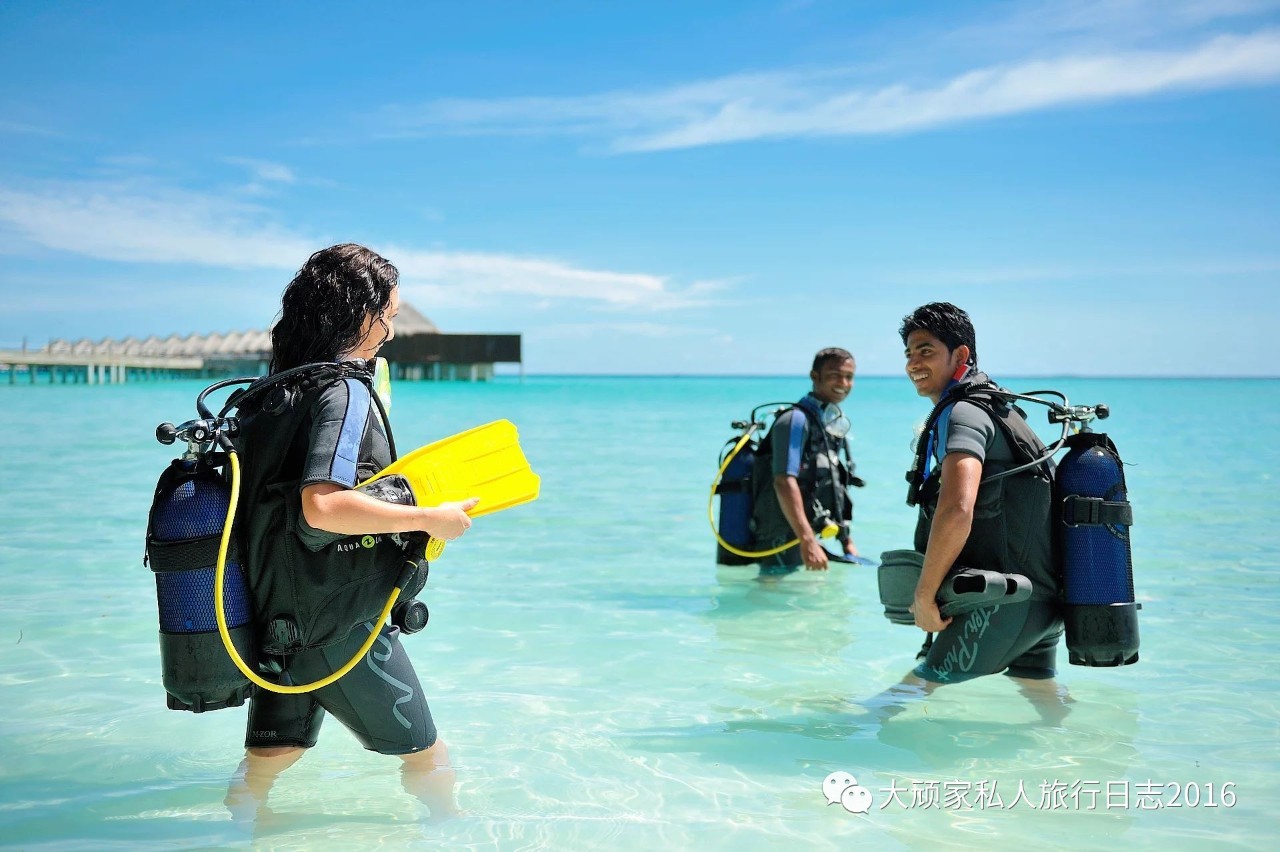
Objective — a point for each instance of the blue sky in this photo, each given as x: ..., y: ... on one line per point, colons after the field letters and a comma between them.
x: 712, y: 187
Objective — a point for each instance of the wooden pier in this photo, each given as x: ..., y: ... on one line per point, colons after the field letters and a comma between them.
x: 66, y: 368
x: 420, y: 351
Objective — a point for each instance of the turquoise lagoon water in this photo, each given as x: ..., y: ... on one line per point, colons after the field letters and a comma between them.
x: 602, y: 685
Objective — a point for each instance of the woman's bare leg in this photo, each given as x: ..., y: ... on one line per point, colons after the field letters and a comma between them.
x: 247, y: 794
x: 428, y: 775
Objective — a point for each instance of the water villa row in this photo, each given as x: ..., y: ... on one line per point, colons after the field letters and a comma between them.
x: 420, y: 351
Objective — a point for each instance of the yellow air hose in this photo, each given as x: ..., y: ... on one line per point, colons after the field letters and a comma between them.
x: 220, y: 610
x: 827, y: 532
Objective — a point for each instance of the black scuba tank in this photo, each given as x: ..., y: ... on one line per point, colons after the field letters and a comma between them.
x: 736, y: 503
x: 184, y: 530
x: 1097, y: 564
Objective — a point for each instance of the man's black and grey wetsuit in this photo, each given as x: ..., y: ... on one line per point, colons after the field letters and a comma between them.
x: 317, y: 595
x: 798, y: 446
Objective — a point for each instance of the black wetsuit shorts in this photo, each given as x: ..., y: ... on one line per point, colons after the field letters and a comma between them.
x: 1019, y: 639
x: 380, y: 700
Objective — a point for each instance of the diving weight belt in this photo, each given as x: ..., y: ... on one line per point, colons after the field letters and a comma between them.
x: 484, y: 462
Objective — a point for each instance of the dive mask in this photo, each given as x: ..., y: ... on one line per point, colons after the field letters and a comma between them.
x: 834, y: 421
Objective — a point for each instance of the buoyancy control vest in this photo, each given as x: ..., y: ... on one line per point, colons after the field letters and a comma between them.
x: 310, y: 587
x: 210, y: 646
x: 1012, y: 530
x: 825, y: 473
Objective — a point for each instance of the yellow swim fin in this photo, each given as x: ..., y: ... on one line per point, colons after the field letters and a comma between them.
x: 484, y: 462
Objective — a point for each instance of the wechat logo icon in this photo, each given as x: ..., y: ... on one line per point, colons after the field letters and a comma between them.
x: 844, y: 788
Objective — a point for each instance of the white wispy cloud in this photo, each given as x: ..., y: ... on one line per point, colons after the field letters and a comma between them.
x: 1171, y: 269
x: 131, y: 223
x: 264, y: 170
x: 831, y: 102
x: 466, y: 278
x: 140, y: 223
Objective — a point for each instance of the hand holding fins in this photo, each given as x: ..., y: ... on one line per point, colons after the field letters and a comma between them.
x: 484, y: 462
x: 963, y: 590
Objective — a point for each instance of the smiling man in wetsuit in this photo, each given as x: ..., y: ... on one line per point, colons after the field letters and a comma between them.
x: 804, y: 470
x: 968, y: 519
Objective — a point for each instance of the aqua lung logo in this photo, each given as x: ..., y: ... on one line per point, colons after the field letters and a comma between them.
x: 367, y: 542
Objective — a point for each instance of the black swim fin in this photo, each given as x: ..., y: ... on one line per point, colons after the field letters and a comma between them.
x: 967, y: 589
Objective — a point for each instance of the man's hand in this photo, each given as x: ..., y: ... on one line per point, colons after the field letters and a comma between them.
x: 927, y: 616
x: 815, y: 555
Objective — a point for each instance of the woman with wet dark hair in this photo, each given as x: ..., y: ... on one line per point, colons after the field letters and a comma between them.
x: 321, y: 557
x: 325, y: 310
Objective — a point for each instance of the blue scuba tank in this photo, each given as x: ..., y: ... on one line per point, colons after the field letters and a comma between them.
x: 736, y: 504
x: 183, y: 534
x: 1097, y: 564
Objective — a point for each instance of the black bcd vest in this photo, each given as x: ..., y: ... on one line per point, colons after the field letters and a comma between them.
x: 1012, y: 530
x: 306, y: 594
x: 826, y: 472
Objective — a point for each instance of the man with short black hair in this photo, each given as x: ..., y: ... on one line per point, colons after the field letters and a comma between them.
x: 970, y: 516
x: 803, y: 472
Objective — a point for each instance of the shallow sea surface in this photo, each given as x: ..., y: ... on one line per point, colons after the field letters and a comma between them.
x: 602, y: 685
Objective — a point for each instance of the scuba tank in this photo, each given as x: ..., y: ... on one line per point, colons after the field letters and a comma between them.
x: 1097, y: 562
x: 183, y: 534
x: 736, y: 496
